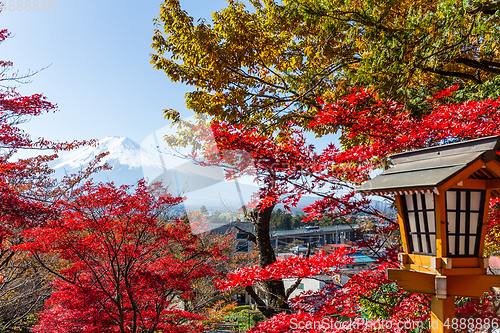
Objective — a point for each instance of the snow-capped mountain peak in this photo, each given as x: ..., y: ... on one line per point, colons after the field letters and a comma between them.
x: 122, y: 151
x: 125, y: 156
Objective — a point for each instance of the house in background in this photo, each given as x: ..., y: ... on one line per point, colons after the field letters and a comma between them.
x: 299, y: 249
x: 310, y: 284
x: 243, y: 245
x: 361, y: 260
x: 330, y: 248
x: 307, y: 284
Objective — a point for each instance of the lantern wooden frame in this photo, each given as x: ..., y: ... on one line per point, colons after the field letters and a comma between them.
x: 428, y: 264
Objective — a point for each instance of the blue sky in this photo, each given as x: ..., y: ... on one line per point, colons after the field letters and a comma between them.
x: 100, y: 73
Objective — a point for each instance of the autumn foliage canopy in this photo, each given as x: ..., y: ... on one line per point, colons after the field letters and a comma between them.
x: 122, y: 262
x: 373, y: 129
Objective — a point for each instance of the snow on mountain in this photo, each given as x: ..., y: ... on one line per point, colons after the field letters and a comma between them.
x: 131, y: 162
x: 125, y: 156
x: 200, y: 185
x: 122, y: 150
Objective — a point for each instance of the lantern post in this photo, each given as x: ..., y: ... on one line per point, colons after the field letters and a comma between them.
x: 442, y: 198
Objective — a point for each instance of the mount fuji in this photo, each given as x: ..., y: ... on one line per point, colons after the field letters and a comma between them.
x: 125, y: 156
x: 131, y: 162
x: 199, y: 185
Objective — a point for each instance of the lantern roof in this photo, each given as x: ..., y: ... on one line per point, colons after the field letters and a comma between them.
x: 430, y: 168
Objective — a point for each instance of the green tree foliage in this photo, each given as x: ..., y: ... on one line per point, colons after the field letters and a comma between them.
x: 297, y: 221
x: 245, y: 319
x: 247, y: 66
x: 408, y: 49
x: 281, y: 220
x: 265, y: 65
x: 204, y: 210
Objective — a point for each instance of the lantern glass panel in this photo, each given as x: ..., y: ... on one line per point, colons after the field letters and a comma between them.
x: 411, y: 218
x: 474, y: 219
x: 464, y: 213
x: 416, y: 242
x: 451, y: 200
x: 451, y: 216
x: 432, y: 226
x: 418, y: 214
x: 433, y: 243
x: 463, y: 221
x: 475, y: 200
x: 472, y: 243
x: 462, y: 202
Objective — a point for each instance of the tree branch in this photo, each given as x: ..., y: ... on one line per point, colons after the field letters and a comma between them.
x: 481, y: 64
x: 251, y: 237
x: 452, y: 74
x: 488, y: 8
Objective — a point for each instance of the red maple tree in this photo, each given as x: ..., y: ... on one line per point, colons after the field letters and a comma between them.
x: 27, y: 194
x: 129, y: 263
x: 25, y: 183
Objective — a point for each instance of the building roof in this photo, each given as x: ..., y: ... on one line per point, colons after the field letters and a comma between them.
x: 338, y: 245
x: 298, y: 248
x: 361, y: 259
x: 283, y: 256
x: 430, y: 168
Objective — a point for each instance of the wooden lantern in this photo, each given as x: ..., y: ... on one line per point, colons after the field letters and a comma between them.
x: 442, y: 195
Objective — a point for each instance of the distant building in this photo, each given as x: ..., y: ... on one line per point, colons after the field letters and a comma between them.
x: 329, y: 248
x: 283, y: 256
x: 361, y: 262
x: 243, y: 245
x: 315, y: 237
x: 299, y: 249
x: 308, y: 284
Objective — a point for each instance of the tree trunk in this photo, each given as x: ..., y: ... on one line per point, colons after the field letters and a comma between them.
x: 274, y: 290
